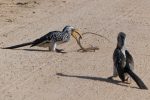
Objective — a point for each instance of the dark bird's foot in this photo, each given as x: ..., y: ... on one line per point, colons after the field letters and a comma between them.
x: 60, y: 51
x: 127, y: 80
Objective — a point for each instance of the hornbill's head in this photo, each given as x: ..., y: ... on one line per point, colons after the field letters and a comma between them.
x: 74, y: 32
x: 121, y: 40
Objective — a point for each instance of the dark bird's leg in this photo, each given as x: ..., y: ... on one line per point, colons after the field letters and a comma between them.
x: 53, y: 48
x: 115, y: 73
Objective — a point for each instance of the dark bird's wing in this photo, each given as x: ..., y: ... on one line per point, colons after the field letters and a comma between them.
x: 19, y: 45
x: 129, y: 59
x: 40, y: 40
x: 119, y: 61
x: 45, y: 39
x: 138, y: 81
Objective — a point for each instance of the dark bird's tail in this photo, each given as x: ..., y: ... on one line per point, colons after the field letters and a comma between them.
x: 19, y: 45
x: 138, y: 81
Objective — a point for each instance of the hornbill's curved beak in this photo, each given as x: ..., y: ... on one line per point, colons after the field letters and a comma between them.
x: 75, y: 33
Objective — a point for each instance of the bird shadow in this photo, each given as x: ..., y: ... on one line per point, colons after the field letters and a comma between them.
x: 63, y: 52
x: 116, y: 82
x: 32, y: 50
x: 36, y: 50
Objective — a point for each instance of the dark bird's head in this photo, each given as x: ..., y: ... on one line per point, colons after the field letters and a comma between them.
x: 71, y: 30
x: 121, y: 40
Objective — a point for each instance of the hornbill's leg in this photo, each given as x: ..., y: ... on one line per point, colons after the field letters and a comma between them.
x: 115, y: 73
x: 52, y: 46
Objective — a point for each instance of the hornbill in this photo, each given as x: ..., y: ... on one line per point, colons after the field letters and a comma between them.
x: 124, y: 64
x: 52, y: 39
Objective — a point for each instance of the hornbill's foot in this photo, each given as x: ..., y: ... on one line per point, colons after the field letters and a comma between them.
x: 127, y: 80
x: 60, y: 51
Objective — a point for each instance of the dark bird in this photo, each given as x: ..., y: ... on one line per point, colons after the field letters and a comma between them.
x: 124, y: 64
x: 52, y: 39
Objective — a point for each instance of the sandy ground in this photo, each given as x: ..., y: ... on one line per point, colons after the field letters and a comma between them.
x: 31, y: 73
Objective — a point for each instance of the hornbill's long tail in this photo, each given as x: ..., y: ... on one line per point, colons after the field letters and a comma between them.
x: 19, y: 45
x: 138, y: 81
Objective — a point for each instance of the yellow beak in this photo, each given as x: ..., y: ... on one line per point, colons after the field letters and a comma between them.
x: 75, y: 33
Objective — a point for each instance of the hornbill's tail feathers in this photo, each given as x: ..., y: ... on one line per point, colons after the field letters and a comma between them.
x: 138, y: 81
x: 19, y: 45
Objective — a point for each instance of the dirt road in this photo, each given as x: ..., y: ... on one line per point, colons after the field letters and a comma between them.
x: 31, y: 73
